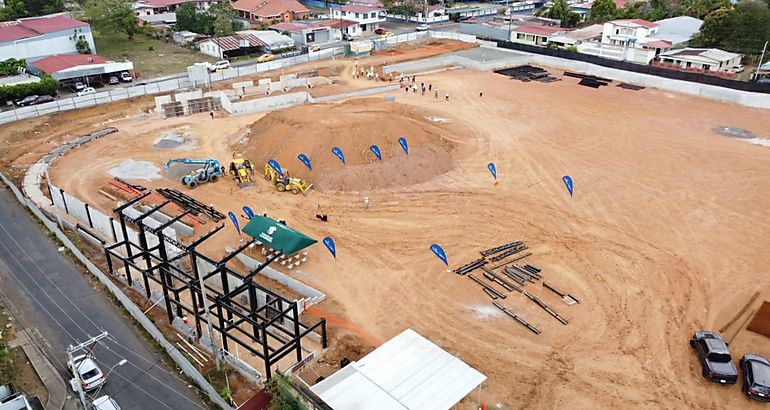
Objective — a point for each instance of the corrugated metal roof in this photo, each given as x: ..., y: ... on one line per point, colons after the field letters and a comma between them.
x: 234, y: 42
x: 407, y: 372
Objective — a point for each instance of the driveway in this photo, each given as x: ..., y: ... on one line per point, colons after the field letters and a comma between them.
x: 53, y: 298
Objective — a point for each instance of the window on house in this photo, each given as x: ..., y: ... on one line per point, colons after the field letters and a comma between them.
x: 372, y: 15
x: 520, y: 36
x: 356, y: 15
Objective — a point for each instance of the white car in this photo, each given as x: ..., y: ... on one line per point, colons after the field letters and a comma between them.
x: 91, y: 376
x: 737, y: 69
x: 86, y: 91
x: 126, y: 77
x: 219, y: 65
x: 422, y: 27
x: 105, y: 403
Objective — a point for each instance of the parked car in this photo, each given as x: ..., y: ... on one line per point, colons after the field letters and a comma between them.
x: 105, y: 403
x: 86, y: 91
x: 463, y: 18
x: 422, y: 27
x: 715, y: 358
x: 126, y: 77
x: 219, y: 65
x: 764, y: 80
x: 113, y: 80
x: 265, y: 58
x: 43, y: 99
x: 314, y: 48
x: 91, y: 376
x: 387, y: 34
x: 380, y: 31
x: 756, y: 377
x: 79, y: 86
x: 347, y: 37
x: 26, y: 101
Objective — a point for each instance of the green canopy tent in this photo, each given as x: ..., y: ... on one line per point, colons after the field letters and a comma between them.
x: 277, y: 235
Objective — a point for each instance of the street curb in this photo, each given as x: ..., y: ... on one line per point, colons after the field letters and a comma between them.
x: 57, y: 391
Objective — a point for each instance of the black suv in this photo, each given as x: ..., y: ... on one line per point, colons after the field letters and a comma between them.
x: 714, y: 357
x: 756, y: 377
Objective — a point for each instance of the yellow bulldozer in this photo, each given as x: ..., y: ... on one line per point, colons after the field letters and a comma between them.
x: 283, y: 182
x: 241, y: 170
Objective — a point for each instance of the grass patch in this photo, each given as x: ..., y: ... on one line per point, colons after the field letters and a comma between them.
x: 151, y: 57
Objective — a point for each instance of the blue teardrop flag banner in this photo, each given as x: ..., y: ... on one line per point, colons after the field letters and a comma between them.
x: 404, y: 145
x: 249, y: 213
x: 338, y: 152
x: 235, y: 222
x: 329, y: 242
x: 305, y: 160
x: 492, y: 170
x: 274, y: 165
x: 568, y: 183
x: 376, y: 150
x: 438, y: 251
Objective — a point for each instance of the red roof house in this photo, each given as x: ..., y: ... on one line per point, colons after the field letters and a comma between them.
x: 269, y: 10
x: 56, y: 63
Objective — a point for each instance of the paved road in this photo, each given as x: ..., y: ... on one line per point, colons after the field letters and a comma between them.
x: 45, y: 290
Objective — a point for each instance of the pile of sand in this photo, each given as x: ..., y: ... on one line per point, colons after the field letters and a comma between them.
x: 130, y: 169
x: 353, y: 126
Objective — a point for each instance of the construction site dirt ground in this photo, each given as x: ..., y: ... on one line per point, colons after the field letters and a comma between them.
x: 665, y: 233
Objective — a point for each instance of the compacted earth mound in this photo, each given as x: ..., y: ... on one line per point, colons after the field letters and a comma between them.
x: 353, y: 126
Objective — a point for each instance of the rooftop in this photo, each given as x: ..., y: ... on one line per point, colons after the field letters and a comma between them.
x: 237, y: 41
x: 406, y: 372
x: 537, y: 30
x: 33, y: 27
x: 711, y: 53
x: 266, y: 8
x: 59, y: 62
x: 634, y: 22
x: 359, y: 9
x: 337, y: 23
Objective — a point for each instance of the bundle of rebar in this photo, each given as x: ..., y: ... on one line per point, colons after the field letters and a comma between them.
x: 545, y: 307
x: 495, y: 277
x: 188, y: 202
x: 522, y: 256
x: 515, y: 249
x: 468, y: 267
x: 488, y: 289
x: 500, y: 248
x: 517, y: 318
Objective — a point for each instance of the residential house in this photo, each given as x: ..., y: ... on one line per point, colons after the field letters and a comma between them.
x: 37, y: 37
x: 583, y: 7
x: 254, y: 12
x: 368, y: 18
x: 340, y: 27
x: 762, y: 71
x: 153, y: 7
x: 534, y: 35
x: 592, y: 33
x: 159, y: 20
x: 702, y: 60
x: 304, y: 33
x: 431, y: 15
x: 231, y: 46
x: 185, y: 37
x: 630, y: 40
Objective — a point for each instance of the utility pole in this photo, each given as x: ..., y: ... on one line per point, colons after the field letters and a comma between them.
x: 510, y: 19
x: 762, y: 57
x: 78, y: 386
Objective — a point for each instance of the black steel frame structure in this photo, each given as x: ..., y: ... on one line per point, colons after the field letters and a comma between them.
x: 274, y: 327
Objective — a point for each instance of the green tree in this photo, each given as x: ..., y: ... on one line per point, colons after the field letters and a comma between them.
x: 223, y: 19
x: 13, y: 9
x: 701, y: 8
x: 561, y: 11
x: 113, y: 15
x: 42, y: 7
x: 743, y: 28
x: 603, y: 11
x: 187, y: 18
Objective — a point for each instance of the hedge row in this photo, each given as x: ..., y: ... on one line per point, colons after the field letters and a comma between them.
x: 46, y: 86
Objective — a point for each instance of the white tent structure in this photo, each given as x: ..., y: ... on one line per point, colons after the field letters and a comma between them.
x: 407, y: 372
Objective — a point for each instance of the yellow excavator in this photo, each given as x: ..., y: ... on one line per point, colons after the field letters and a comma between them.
x: 284, y: 183
x: 241, y: 170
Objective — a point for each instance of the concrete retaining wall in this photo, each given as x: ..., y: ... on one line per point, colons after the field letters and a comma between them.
x: 264, y: 104
x: 368, y: 91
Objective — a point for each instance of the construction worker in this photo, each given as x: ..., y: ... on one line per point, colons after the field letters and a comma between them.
x: 446, y: 97
x: 436, y: 93
x: 430, y: 87
x: 481, y: 93
x: 366, y: 203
